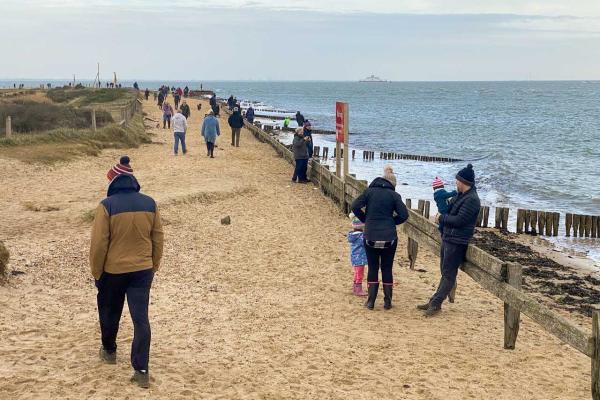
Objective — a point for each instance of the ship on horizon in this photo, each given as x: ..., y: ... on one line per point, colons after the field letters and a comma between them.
x: 372, y: 78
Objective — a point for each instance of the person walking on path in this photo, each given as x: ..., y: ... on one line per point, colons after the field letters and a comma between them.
x: 146, y: 94
x: 179, y: 130
x: 250, y: 114
x: 210, y: 131
x: 458, y: 227
x: 236, y: 122
x: 125, y: 252
x: 167, y: 113
x: 384, y: 210
x: 299, y: 119
x: 176, y: 99
x: 300, y: 150
x: 161, y: 99
x: 358, y: 255
x: 185, y: 109
x: 186, y: 91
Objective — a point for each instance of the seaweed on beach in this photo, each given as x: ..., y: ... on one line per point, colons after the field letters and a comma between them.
x: 559, y: 284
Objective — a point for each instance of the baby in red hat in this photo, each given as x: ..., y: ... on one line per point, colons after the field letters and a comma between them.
x: 442, y: 197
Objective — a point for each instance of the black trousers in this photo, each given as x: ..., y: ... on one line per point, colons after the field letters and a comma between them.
x: 210, y: 149
x: 451, y: 256
x: 300, y: 170
x: 381, y: 259
x: 112, y: 289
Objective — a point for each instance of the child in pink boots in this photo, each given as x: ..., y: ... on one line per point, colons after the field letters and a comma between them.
x: 358, y: 256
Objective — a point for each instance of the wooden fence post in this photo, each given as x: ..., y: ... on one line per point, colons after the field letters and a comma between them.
x: 527, y: 221
x: 541, y: 222
x: 505, y: 212
x: 595, y: 226
x: 512, y: 316
x: 568, y: 223
x: 486, y: 215
x: 555, y: 223
x: 94, y: 119
x: 549, y: 218
x: 596, y: 355
x: 498, y: 218
x: 8, y: 127
x: 408, y: 203
x: 427, y: 209
x: 588, y: 225
x: 581, y: 225
x: 533, y: 218
x: 576, y: 220
x: 479, y: 217
x: 520, y: 220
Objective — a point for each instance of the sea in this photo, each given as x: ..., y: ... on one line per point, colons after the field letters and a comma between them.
x: 533, y: 144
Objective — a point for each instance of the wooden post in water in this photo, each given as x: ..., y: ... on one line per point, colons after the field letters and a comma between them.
x: 427, y: 209
x: 408, y: 203
x: 541, y: 222
x: 421, y: 206
x: 596, y: 355
x: 94, y: 119
x: 353, y: 154
x: 588, y: 225
x: 581, y: 225
x: 527, y: 221
x: 549, y: 218
x: 498, y: 218
x: 595, y: 226
x: 8, y: 127
x: 325, y: 152
x: 505, y: 212
x: 479, y: 217
x: 486, y: 215
x: 568, y: 224
x: 512, y: 316
x: 555, y: 223
x: 576, y: 220
x: 534, y: 218
x: 520, y: 220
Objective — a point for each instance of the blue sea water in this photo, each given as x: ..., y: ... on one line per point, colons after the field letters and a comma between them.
x: 540, y: 140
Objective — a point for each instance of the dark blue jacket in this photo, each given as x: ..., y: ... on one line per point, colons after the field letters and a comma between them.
x: 459, y: 223
x: 384, y: 210
x: 442, y: 199
x: 236, y: 120
x: 250, y: 114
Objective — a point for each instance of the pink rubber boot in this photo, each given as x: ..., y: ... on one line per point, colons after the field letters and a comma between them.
x: 359, y: 272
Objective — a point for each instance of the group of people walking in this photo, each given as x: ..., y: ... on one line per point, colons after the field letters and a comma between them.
x: 373, y: 239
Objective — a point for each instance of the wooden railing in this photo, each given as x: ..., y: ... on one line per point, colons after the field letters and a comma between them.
x: 501, y: 279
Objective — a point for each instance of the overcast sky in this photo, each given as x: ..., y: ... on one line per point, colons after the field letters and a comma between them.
x: 301, y: 39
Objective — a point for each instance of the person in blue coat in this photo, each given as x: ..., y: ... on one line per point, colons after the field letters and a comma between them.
x: 250, y: 114
x: 210, y: 131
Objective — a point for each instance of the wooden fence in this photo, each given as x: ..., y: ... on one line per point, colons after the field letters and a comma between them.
x: 499, y: 278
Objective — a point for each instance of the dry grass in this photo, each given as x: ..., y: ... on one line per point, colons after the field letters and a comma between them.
x: 66, y: 144
x: 30, y: 206
x: 88, y: 216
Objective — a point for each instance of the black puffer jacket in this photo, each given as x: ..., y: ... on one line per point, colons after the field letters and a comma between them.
x: 384, y: 210
x: 459, y: 223
x: 236, y: 121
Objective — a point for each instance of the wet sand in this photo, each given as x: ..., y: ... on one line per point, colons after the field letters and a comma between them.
x: 259, y: 309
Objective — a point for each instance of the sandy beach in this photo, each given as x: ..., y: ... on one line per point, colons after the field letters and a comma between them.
x: 259, y: 309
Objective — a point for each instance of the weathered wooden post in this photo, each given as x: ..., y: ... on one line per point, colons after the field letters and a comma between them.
x: 94, y: 119
x: 596, y: 355
x: 541, y: 222
x: 512, y: 316
x: 534, y: 219
x: 520, y: 220
x: 325, y: 152
x: 8, y: 127
x: 594, y: 226
x: 588, y: 225
x: 505, y: 212
x: 486, y: 215
x: 479, y: 217
x: 549, y: 218
x: 408, y: 203
x: 581, y: 225
x: 421, y: 206
x: 576, y: 221
x: 568, y: 223
x: 527, y: 221
x: 427, y: 209
x: 498, y: 223
x: 555, y: 223
x: 353, y: 154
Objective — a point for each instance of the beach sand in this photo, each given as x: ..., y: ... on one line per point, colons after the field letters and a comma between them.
x: 259, y: 309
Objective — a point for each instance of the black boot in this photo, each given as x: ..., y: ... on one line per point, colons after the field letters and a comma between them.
x: 387, y: 296
x: 373, y: 289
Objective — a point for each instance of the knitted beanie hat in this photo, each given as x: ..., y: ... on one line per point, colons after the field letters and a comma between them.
x: 466, y: 175
x: 437, y: 183
x: 356, y: 223
x: 122, y: 168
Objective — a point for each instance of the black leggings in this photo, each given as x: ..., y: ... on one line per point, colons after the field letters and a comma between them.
x: 381, y: 258
x: 210, y: 147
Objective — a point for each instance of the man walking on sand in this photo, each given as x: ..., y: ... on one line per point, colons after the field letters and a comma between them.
x: 125, y: 252
x: 458, y: 226
x: 236, y: 122
x: 179, y: 130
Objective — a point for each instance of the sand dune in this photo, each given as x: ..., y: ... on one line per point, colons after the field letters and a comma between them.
x: 259, y: 309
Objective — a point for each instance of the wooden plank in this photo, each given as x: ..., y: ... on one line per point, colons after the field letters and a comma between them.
x: 595, y: 344
x: 512, y: 316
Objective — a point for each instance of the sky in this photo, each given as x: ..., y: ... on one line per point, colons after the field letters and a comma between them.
x: 403, y: 40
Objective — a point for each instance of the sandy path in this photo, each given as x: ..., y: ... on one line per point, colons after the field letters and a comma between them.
x: 259, y: 309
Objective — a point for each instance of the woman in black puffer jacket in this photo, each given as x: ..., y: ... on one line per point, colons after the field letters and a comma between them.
x: 384, y: 210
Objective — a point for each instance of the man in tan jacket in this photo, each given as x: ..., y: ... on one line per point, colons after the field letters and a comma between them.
x: 126, y: 249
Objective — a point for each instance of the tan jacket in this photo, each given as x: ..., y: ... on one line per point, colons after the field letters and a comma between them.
x: 127, y: 235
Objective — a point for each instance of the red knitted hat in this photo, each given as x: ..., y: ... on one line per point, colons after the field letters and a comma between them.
x: 437, y: 183
x: 122, y: 168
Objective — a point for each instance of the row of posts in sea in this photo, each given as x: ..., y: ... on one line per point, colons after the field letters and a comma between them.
x: 533, y: 222
x: 323, y: 152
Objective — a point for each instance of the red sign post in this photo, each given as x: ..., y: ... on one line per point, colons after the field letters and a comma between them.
x: 341, y: 136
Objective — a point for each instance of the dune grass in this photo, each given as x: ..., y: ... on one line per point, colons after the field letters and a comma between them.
x: 87, y: 96
x: 64, y: 144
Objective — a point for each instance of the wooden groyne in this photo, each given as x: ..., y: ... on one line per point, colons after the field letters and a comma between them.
x: 323, y: 152
x: 502, y: 279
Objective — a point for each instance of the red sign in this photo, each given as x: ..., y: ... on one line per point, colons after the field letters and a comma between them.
x: 340, y: 109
